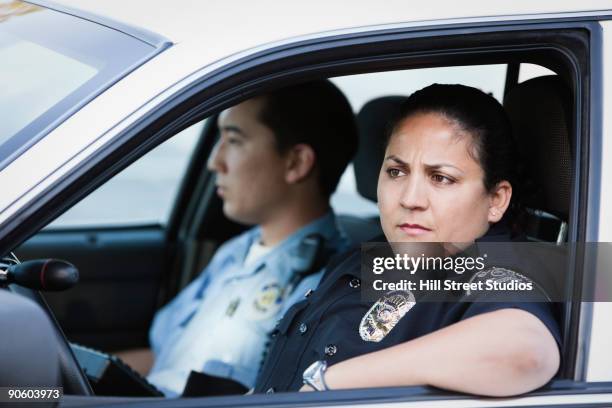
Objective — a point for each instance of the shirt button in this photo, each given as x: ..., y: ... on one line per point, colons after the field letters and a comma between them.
x: 308, y: 293
x: 355, y: 283
x: 270, y: 390
x: 330, y: 350
x: 303, y: 328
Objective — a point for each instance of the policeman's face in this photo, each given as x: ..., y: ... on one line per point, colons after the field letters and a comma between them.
x: 249, y: 169
x: 430, y: 188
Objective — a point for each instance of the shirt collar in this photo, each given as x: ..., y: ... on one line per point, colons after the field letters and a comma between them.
x: 324, y: 225
x: 498, y: 232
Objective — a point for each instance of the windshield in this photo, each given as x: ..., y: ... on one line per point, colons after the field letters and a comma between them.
x: 51, y: 64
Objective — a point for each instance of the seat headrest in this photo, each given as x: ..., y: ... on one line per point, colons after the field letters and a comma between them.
x: 540, y: 113
x: 373, y: 121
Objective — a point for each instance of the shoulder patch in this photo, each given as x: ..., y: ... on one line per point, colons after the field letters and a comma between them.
x: 502, y: 275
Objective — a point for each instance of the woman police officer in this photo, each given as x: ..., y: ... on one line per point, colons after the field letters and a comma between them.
x: 447, y: 176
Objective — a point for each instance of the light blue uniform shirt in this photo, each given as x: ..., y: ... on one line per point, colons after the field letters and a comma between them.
x: 219, y: 324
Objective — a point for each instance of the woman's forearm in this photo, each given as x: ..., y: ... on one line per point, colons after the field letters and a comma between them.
x: 500, y: 353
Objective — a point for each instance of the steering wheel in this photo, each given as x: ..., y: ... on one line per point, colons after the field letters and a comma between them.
x: 74, y: 380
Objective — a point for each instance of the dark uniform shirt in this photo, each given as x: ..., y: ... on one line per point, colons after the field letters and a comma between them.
x: 326, y: 324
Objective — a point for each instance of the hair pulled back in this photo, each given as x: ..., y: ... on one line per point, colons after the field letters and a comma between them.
x: 484, y: 119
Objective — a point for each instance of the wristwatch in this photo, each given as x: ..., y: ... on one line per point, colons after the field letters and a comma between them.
x: 314, y: 375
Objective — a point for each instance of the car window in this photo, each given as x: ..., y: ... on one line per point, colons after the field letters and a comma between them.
x: 360, y: 89
x: 144, y: 192
x: 48, y: 71
x: 141, y: 194
x: 529, y: 71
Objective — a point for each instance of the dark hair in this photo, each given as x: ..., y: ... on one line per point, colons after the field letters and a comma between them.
x: 318, y: 114
x: 485, y: 120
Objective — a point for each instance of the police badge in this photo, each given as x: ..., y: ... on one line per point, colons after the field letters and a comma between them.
x: 384, y: 315
x: 267, y: 301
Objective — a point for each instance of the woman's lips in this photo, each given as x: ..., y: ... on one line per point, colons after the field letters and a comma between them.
x: 414, y: 229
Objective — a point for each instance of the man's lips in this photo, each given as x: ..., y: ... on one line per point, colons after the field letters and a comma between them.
x: 413, y: 229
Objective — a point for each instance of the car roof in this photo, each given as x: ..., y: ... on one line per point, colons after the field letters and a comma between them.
x: 208, y: 23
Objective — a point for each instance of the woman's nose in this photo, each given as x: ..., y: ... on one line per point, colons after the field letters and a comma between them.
x: 216, y: 161
x: 414, y: 194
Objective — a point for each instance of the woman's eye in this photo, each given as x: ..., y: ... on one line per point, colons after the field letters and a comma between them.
x: 393, y: 173
x: 234, y: 140
x: 440, y: 179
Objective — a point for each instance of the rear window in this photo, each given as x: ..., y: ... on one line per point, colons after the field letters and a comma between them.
x: 52, y: 64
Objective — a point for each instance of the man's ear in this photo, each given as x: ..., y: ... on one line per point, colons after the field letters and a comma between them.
x: 499, y: 200
x: 300, y: 163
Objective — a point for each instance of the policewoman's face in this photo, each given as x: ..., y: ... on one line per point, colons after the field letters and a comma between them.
x: 430, y: 189
x: 249, y: 169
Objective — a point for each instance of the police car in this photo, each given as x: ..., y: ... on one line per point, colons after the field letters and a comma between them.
x: 108, y: 117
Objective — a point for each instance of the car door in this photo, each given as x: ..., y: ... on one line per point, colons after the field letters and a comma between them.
x: 369, y: 51
x: 411, y: 395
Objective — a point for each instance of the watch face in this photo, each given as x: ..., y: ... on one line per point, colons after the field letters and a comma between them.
x: 313, y: 375
x: 312, y: 369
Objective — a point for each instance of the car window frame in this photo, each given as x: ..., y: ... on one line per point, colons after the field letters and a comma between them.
x: 242, y: 79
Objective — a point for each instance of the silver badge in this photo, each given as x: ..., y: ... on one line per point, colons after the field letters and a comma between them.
x: 384, y: 315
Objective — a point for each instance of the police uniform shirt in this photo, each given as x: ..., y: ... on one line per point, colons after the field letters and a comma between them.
x: 220, y: 323
x: 334, y: 324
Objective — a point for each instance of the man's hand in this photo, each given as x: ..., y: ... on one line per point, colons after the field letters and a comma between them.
x: 140, y: 360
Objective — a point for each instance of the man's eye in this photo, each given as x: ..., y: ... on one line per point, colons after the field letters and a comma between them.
x: 393, y: 173
x: 234, y: 140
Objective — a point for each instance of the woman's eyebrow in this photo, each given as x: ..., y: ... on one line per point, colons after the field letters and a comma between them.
x: 434, y: 166
x: 396, y: 159
x: 438, y: 166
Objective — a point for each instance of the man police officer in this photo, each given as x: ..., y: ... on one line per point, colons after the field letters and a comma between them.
x: 278, y: 160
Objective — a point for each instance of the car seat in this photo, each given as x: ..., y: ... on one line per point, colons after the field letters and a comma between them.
x: 540, y: 112
x: 372, y: 123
